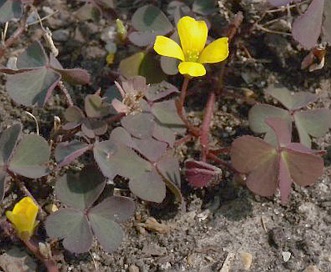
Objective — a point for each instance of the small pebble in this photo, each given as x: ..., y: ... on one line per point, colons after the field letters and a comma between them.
x: 311, y: 268
x: 246, y: 259
x: 133, y: 268
x: 286, y: 256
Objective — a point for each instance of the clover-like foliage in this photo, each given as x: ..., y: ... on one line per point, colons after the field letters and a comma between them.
x: 26, y: 155
x: 80, y: 220
x: 308, y: 123
x: 92, y: 123
x: 269, y: 167
x: 313, y: 23
x: 141, y: 148
x: 10, y: 9
x: 36, y: 75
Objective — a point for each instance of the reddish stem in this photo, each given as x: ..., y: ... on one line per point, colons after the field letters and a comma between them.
x: 205, y: 127
x: 14, y: 37
x: 49, y: 262
x: 221, y: 162
x: 181, y: 111
x: 66, y: 93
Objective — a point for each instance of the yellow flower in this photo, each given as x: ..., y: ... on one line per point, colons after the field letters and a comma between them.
x: 192, y: 53
x: 23, y: 217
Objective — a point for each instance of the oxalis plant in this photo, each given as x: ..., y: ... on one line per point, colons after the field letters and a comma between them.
x: 129, y: 133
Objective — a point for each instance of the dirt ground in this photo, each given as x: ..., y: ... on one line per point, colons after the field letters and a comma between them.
x: 224, y: 228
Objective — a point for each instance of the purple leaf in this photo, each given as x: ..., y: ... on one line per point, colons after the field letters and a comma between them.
x: 304, y: 168
x: 66, y: 152
x: 151, y: 149
x: 104, y: 216
x: 169, y: 168
x: 326, y: 28
x: 31, y: 157
x: 115, y: 159
x: 8, y: 140
x: 285, y: 181
x: 148, y: 186
x: 282, y: 129
x: 93, y: 127
x: 278, y: 3
x: 140, y: 125
x: 306, y: 29
x: 200, y: 174
x: 71, y: 226
x: 258, y: 159
x: 32, y: 87
x: 75, y: 76
x: 160, y: 90
x: 80, y: 191
x: 123, y: 137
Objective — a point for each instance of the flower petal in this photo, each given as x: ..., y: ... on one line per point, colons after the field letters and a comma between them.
x: 192, y: 34
x: 168, y: 48
x: 193, y: 69
x: 216, y: 51
x: 23, y: 217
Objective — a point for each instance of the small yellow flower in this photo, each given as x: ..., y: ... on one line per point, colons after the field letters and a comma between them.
x: 23, y: 217
x: 192, y: 53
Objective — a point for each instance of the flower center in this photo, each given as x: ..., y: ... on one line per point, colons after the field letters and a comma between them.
x: 191, y: 55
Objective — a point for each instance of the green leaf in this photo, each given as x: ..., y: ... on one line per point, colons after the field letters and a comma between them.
x: 80, y: 191
x: 31, y: 157
x: 291, y: 101
x: 95, y: 107
x: 150, y: 69
x: 204, y: 7
x: 8, y: 141
x: 258, y: 115
x: 148, y: 186
x: 10, y: 9
x: 149, y: 21
x: 3, y: 175
x: 115, y: 159
x: 71, y: 226
x: 130, y: 66
x: 32, y: 87
x: 151, y: 18
x: 74, y: 114
x: 166, y: 113
x: 312, y: 122
x: 33, y: 57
